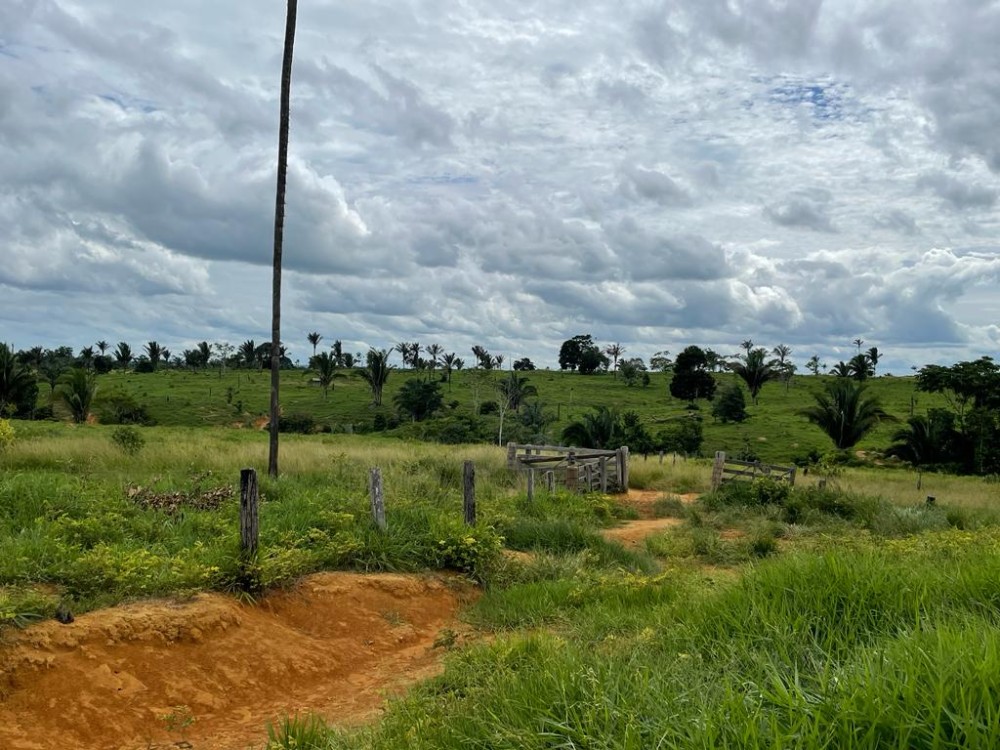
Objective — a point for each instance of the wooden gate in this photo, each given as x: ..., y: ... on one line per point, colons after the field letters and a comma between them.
x: 727, y: 469
x: 576, y: 469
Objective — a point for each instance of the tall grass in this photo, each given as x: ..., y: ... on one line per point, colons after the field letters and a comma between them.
x: 857, y: 648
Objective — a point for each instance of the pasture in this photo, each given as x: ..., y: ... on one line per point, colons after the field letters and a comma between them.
x: 855, y: 616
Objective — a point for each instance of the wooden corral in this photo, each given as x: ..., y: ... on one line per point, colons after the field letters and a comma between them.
x: 576, y: 469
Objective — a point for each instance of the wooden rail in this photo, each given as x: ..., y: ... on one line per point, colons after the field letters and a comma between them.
x: 577, y: 469
x: 729, y: 469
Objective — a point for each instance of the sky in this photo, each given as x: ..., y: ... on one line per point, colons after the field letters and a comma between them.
x: 506, y: 174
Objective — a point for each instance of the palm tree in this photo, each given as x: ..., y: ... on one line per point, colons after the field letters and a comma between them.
x: 755, y: 370
x: 248, y: 352
x: 498, y: 362
x: 314, y: 339
x: 482, y: 356
x: 434, y: 351
x: 77, y: 388
x: 781, y: 351
x: 747, y: 345
x: 123, y: 354
x: 325, y: 366
x: 844, y: 412
x: 103, y: 346
x: 448, y: 360
x: 614, y: 351
x: 17, y: 383
x: 165, y: 356
x: 403, y: 347
x: 87, y: 357
x: 602, y: 428
x: 376, y: 373
x: 858, y: 342
x: 279, y: 228
x: 813, y: 364
x: 415, y: 354
x: 925, y: 439
x: 204, y: 353
x: 860, y: 367
x: 514, y: 390
x: 155, y: 352
x: 874, y: 355
x: 841, y: 370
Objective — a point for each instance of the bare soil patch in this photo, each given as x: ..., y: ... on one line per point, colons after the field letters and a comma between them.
x: 131, y: 676
x: 634, y: 533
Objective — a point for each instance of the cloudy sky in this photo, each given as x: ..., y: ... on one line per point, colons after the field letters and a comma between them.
x: 507, y: 174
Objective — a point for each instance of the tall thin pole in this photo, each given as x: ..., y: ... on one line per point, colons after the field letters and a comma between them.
x: 279, y: 228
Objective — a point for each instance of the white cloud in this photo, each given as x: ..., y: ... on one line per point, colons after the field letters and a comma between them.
x: 508, y: 175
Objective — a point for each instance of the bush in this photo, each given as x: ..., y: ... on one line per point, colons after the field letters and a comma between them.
x: 731, y: 405
x: 681, y: 436
x: 121, y: 407
x: 128, y: 440
x: 6, y: 434
x: 303, y: 424
x: 488, y: 407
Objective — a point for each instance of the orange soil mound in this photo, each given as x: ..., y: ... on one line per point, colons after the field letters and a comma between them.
x: 331, y: 646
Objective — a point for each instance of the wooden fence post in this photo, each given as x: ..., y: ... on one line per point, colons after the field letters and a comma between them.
x: 791, y: 475
x: 572, y: 472
x: 512, y: 455
x: 378, y: 497
x: 531, y: 484
x: 550, y: 481
x: 720, y: 462
x: 623, y: 476
x: 602, y: 468
x: 469, y: 492
x: 661, y: 458
x: 248, y: 513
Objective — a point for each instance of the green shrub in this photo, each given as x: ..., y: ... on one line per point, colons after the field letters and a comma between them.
x: 6, y: 434
x: 128, y: 440
x: 303, y: 424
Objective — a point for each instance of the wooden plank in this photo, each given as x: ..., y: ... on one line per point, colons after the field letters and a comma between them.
x: 531, y: 484
x: 603, y: 472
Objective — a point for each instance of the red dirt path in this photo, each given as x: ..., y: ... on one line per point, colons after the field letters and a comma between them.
x: 332, y: 646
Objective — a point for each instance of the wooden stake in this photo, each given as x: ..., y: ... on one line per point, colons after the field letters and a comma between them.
x: 377, y: 497
x: 248, y: 512
x: 469, y: 492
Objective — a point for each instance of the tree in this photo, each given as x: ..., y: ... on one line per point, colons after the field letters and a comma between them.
x: 314, y: 338
x: 524, y: 365
x: 248, y: 353
x: 511, y: 392
x: 781, y: 353
x: 632, y: 371
x: 338, y: 353
x: 682, y: 435
x: 860, y: 367
x: 535, y: 420
x: 485, y: 361
x: 204, y: 353
x: 77, y: 389
x: 859, y: 342
x: 874, y: 355
x: 730, y: 406
x: 498, y: 361
x: 574, y: 350
x: 661, y: 361
x: 614, y: 351
x: 813, y: 364
x: 747, y: 345
x: 376, y: 373
x: 691, y: 379
x: 419, y: 398
x: 325, y: 366
x: 87, y: 357
x: 434, y: 351
x: 928, y: 440
x: 971, y: 384
x: 224, y: 350
x: 54, y: 364
x: 844, y: 412
x: 449, y: 360
x: 601, y: 428
x: 123, y: 355
x: 165, y: 356
x: 18, y: 385
x: 841, y: 369
x: 103, y: 346
x: 279, y: 227
x: 155, y: 352
x: 755, y: 369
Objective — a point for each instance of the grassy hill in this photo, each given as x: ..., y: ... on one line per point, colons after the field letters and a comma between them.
x: 239, y: 398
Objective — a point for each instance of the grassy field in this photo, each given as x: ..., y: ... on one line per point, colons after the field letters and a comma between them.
x: 775, y: 431
x: 856, y: 616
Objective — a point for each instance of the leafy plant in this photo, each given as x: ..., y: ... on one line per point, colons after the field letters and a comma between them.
x: 128, y: 440
x: 845, y: 413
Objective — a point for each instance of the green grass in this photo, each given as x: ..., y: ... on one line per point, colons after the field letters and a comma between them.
x: 239, y: 398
